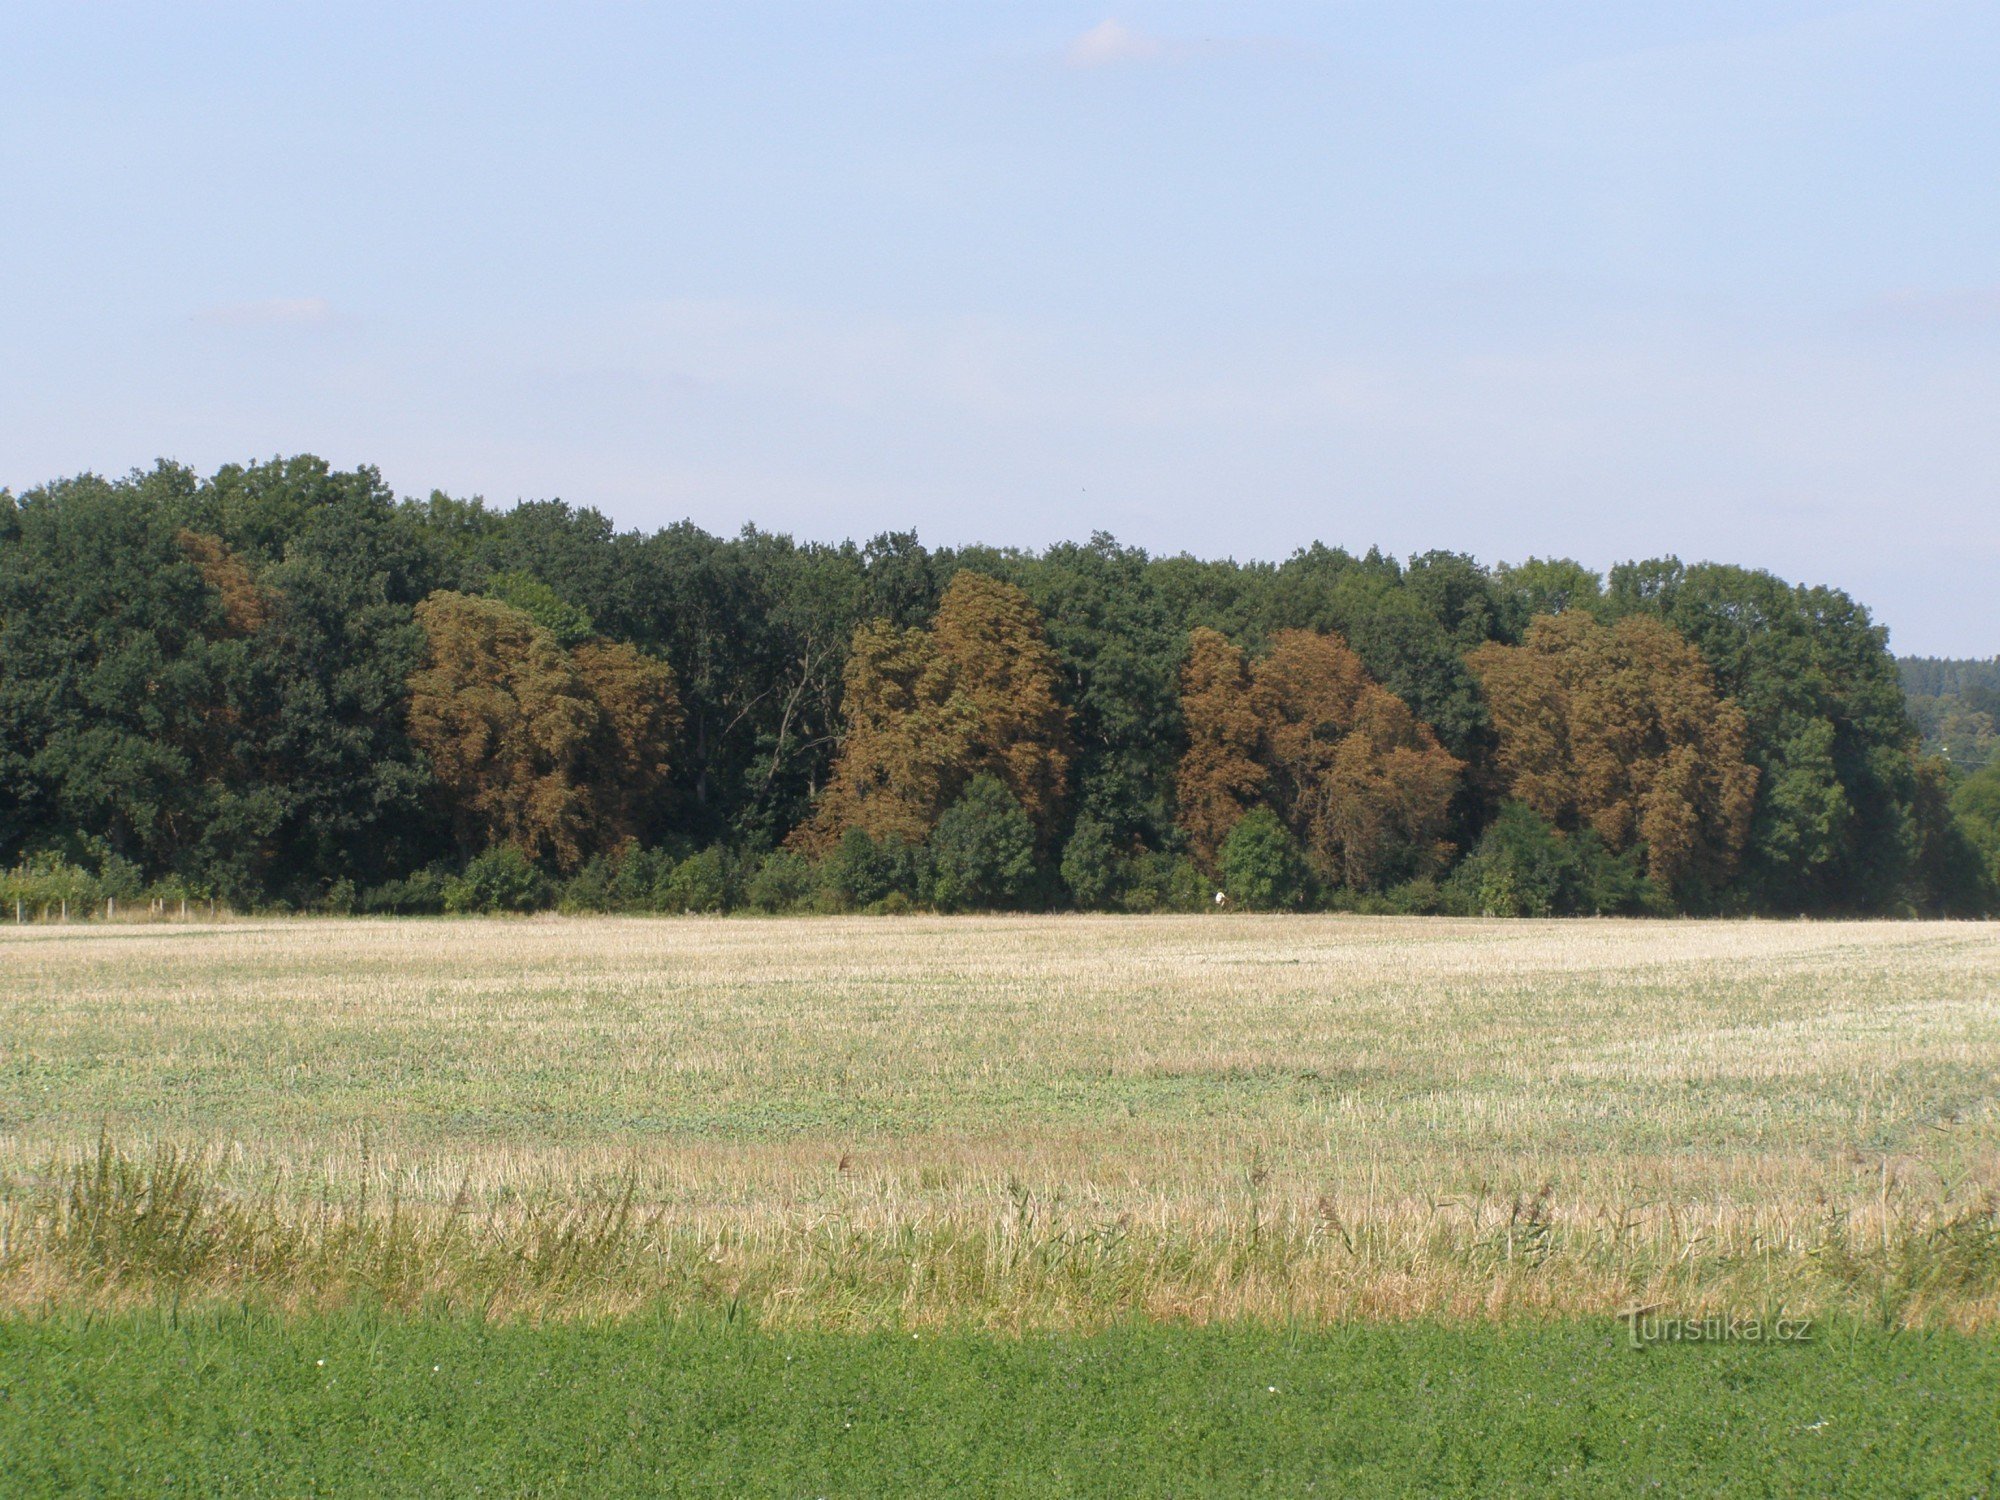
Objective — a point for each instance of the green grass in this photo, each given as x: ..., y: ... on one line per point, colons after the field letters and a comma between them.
x: 241, y: 1403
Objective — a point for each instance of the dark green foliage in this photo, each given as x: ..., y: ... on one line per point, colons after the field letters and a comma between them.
x: 1121, y: 650
x: 783, y: 881
x: 1093, y: 866
x: 1829, y: 733
x: 1263, y: 868
x: 1975, y: 804
x: 983, y: 851
x: 115, y: 691
x: 1543, y: 586
x: 499, y: 880
x: 1156, y: 882
x: 1524, y: 867
x: 208, y: 680
x: 861, y: 873
x: 1949, y: 873
x: 227, y: 1401
x: 703, y: 882
x: 421, y: 894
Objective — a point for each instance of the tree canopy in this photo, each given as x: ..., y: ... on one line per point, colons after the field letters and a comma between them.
x: 282, y: 684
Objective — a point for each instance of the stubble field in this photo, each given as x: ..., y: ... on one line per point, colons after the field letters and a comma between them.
x: 1016, y: 1124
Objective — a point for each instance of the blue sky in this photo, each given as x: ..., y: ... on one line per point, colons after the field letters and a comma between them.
x: 1599, y: 280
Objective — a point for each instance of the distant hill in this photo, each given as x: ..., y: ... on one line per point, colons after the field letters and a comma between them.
x: 1956, y: 704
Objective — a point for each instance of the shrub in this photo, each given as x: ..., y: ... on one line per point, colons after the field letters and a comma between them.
x: 1092, y: 867
x: 1263, y: 868
x: 983, y: 850
x: 640, y: 879
x: 589, y: 889
x: 860, y: 871
x: 48, y: 881
x: 1525, y: 867
x: 501, y: 879
x: 1156, y: 882
x: 53, y: 879
x: 701, y: 882
x: 420, y: 895
x: 783, y: 881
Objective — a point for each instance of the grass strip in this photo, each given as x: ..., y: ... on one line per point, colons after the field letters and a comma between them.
x: 244, y: 1402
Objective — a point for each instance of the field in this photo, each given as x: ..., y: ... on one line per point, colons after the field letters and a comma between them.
x: 1009, y: 1123
x: 1219, y: 1204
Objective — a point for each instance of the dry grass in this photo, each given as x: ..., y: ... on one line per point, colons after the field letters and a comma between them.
x: 1012, y: 1122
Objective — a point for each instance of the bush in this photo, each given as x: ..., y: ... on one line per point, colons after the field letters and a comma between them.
x: 983, y: 850
x: 1263, y: 868
x: 589, y: 889
x: 501, y: 879
x: 861, y: 872
x: 1157, y: 882
x: 784, y: 881
x: 48, y: 881
x: 421, y: 895
x: 1092, y: 866
x: 1525, y: 867
x: 55, y: 879
x: 701, y: 882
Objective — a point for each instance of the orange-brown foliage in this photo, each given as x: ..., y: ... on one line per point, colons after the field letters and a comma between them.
x: 1361, y: 782
x: 1622, y: 729
x: 1364, y: 785
x: 552, y: 752
x: 246, y: 607
x: 927, y: 710
x: 1219, y: 778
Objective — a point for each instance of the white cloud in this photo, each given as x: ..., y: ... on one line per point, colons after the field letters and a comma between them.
x: 266, y: 312
x: 1110, y: 42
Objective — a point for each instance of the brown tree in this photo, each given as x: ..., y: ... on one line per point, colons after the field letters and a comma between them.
x: 1364, y: 785
x: 1219, y: 778
x: 927, y: 710
x: 246, y: 605
x: 908, y: 737
x: 551, y: 752
x: 989, y: 638
x: 639, y: 716
x: 1622, y: 729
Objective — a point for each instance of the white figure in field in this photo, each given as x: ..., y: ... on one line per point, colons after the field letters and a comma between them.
x: 1221, y: 899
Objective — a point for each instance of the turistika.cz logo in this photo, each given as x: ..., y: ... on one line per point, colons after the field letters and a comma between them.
x: 1648, y: 1325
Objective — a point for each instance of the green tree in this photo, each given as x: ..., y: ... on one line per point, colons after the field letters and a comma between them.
x: 1827, y: 728
x: 1093, y: 865
x: 1263, y: 868
x: 569, y: 625
x: 1975, y: 803
x: 983, y: 851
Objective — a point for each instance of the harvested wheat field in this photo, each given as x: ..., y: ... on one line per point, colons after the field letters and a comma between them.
x: 1007, y: 1123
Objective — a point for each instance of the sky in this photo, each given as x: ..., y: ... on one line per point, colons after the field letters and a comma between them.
x: 1596, y: 280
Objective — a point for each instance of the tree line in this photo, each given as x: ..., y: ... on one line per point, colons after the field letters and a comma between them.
x: 1956, y: 705
x: 283, y: 687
